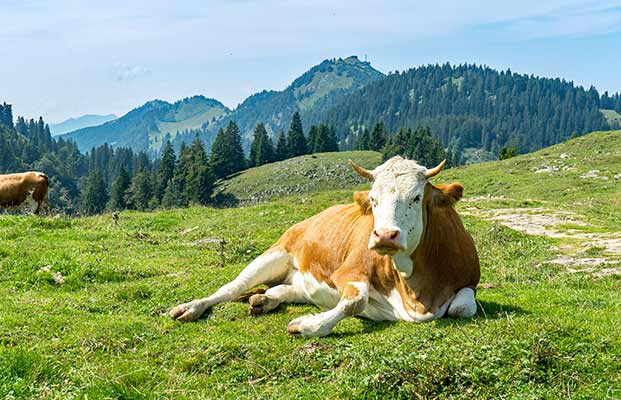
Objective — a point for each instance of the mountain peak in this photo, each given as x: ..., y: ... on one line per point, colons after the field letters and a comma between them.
x: 359, y: 72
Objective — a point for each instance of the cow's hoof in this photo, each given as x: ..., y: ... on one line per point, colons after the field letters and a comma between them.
x: 309, y: 326
x: 187, y: 312
x: 261, y: 304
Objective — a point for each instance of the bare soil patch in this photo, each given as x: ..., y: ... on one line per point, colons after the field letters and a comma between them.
x: 541, y: 221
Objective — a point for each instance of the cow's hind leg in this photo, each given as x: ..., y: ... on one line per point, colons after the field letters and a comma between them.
x: 463, y: 305
x: 269, y: 267
x: 273, y: 297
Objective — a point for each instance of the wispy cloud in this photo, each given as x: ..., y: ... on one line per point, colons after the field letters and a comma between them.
x: 572, y: 23
x: 128, y: 72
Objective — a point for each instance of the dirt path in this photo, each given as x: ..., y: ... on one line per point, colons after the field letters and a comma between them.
x: 576, y: 242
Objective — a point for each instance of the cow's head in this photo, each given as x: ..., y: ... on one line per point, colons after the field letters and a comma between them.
x: 396, y: 199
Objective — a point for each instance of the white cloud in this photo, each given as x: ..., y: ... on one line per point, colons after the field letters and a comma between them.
x: 128, y: 73
x: 64, y: 49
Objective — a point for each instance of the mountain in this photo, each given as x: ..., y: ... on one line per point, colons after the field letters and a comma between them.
x: 475, y: 107
x: 85, y: 121
x: 311, y: 94
x: 473, y: 110
x: 145, y: 128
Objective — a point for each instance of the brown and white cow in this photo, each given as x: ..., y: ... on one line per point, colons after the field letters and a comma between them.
x: 399, y: 252
x: 25, y: 189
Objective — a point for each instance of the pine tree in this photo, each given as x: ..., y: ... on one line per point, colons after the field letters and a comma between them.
x: 296, y: 142
x: 140, y: 190
x: 96, y: 195
x: 262, y: 148
x: 227, y: 155
x: 173, y: 195
x: 118, y: 192
x: 265, y: 154
x: 378, y: 137
x: 325, y: 140
x: 311, y: 141
x: 166, y: 170
x: 200, y: 177
x: 282, y: 149
x: 363, y: 140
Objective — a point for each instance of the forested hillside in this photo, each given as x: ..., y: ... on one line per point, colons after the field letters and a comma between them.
x: 473, y: 110
x: 111, y: 178
x: 147, y: 128
x: 471, y: 106
x: 311, y: 95
x: 74, y: 177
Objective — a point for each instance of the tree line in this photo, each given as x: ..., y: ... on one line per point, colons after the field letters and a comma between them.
x: 414, y: 144
x: 108, y: 178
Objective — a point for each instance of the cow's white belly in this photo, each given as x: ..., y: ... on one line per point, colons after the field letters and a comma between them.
x: 379, y: 307
x: 318, y: 293
x: 391, y: 308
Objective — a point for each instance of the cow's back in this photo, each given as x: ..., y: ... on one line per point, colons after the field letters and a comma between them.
x: 15, y: 188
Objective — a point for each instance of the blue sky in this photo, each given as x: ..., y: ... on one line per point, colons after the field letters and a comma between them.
x: 66, y: 58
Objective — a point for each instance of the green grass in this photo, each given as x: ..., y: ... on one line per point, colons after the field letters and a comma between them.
x: 517, y: 179
x: 540, y: 332
x: 612, y: 116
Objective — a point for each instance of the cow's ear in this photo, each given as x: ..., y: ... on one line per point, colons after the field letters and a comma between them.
x: 448, y: 195
x: 455, y: 190
x: 362, y: 199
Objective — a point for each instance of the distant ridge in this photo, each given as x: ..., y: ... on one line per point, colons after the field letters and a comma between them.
x: 83, y: 121
x: 472, y: 109
x: 147, y: 127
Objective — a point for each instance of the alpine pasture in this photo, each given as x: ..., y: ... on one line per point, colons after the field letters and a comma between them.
x: 84, y: 301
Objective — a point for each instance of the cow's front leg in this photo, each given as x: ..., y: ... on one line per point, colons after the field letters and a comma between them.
x: 355, y: 296
x: 271, y: 266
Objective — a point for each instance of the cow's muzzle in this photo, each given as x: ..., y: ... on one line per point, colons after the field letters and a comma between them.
x: 385, y: 241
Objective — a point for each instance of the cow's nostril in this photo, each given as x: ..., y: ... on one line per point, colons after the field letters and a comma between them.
x: 375, y: 233
x: 394, y: 234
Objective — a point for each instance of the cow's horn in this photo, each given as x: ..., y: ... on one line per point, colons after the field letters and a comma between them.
x: 361, y: 171
x: 436, y: 170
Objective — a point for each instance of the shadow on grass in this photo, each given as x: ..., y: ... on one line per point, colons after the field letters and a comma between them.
x: 486, y: 310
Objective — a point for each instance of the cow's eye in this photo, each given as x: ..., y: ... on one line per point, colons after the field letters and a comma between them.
x: 415, y: 199
x: 373, y: 201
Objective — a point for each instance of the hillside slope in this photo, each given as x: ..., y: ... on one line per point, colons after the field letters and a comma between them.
x: 310, y: 173
x: 582, y: 175
x: 146, y: 128
x: 85, y: 314
x: 84, y: 121
x: 311, y: 94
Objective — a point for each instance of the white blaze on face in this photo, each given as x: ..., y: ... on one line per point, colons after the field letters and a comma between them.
x: 397, y: 204
x: 396, y: 197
